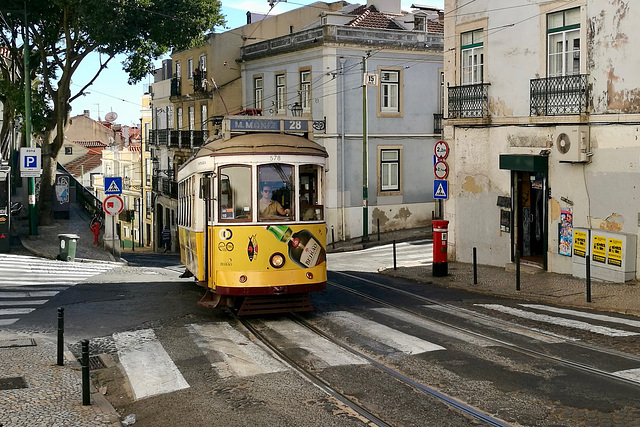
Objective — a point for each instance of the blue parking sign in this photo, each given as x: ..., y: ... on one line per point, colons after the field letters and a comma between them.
x: 440, y: 189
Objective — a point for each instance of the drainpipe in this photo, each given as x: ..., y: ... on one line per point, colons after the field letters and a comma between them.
x: 342, y: 186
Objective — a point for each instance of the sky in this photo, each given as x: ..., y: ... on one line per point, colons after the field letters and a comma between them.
x: 111, y: 92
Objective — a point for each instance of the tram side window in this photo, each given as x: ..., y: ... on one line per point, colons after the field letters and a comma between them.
x: 234, y: 193
x: 275, y: 185
x: 311, y: 203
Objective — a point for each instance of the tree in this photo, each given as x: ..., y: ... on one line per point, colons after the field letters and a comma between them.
x: 63, y: 33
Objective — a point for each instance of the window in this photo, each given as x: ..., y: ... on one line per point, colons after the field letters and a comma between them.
x: 389, y: 169
x: 203, y: 117
x: 68, y: 151
x: 389, y: 91
x: 305, y: 91
x: 234, y: 193
x: 190, y: 68
x: 192, y: 118
x: 275, y: 185
x: 472, y: 57
x: 202, y: 63
x: 258, y: 92
x: 281, y: 94
x: 178, y: 69
x: 420, y: 23
x: 311, y: 207
x: 563, y: 43
x: 179, y: 118
x: 170, y: 120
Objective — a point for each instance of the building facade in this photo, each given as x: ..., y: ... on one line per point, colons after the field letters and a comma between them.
x: 543, y: 134
x: 381, y: 156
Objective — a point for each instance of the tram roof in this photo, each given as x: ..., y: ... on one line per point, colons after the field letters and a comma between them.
x: 262, y: 143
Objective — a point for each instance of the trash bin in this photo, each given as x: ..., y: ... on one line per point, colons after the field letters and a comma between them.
x: 68, y: 243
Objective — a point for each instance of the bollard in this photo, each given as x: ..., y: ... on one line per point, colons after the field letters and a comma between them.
x: 475, y: 267
x: 378, y: 220
x: 394, y: 255
x: 517, y: 270
x: 86, y: 394
x: 333, y: 239
x: 60, y: 336
x: 587, y: 260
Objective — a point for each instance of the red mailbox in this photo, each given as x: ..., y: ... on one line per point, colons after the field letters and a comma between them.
x: 440, y: 266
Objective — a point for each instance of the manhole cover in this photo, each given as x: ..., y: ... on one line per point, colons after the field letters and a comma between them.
x: 17, y: 342
x: 12, y: 383
x: 95, y: 362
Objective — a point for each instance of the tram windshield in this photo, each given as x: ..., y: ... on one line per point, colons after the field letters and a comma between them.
x: 276, y: 189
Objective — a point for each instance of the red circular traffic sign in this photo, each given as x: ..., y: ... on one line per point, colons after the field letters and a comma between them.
x: 441, y: 150
x: 441, y: 170
x: 113, y: 205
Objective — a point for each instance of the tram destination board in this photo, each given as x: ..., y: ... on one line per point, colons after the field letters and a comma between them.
x: 268, y: 125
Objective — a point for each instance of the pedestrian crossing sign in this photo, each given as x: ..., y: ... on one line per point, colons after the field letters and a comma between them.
x: 440, y: 189
x: 112, y: 185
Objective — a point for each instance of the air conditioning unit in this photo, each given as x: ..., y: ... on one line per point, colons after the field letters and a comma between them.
x: 572, y: 144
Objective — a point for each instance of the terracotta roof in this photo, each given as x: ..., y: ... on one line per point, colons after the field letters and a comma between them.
x: 85, y: 163
x: 93, y: 146
x: 435, y: 26
x: 371, y: 18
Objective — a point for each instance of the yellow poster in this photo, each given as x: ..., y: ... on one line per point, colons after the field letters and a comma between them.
x: 579, y: 243
x: 615, y: 252
x: 599, y: 249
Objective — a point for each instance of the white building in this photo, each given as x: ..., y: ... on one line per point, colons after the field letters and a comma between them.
x: 542, y: 120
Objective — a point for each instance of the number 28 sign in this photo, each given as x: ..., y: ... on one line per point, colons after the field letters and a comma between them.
x: 441, y: 150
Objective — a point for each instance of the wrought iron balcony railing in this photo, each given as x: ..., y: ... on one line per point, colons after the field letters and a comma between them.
x: 559, y: 95
x: 468, y: 101
x: 176, y: 88
x: 178, y: 138
x: 437, y: 123
x: 165, y: 186
x: 199, y: 80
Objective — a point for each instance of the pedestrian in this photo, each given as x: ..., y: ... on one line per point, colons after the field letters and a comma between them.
x: 95, y: 228
x: 166, y: 239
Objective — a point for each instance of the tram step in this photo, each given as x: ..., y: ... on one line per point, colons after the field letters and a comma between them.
x: 275, y: 304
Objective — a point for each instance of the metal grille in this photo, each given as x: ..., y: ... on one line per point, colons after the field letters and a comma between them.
x: 437, y: 123
x: 468, y: 101
x: 559, y: 95
x: 176, y: 89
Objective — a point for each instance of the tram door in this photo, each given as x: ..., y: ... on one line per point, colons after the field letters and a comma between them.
x: 530, y: 214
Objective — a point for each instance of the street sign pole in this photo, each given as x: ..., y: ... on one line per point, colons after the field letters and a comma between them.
x: 31, y: 181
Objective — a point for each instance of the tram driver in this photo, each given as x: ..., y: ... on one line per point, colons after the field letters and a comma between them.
x: 270, y: 208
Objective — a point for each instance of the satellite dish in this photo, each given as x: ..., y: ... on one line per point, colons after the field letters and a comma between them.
x: 111, y: 116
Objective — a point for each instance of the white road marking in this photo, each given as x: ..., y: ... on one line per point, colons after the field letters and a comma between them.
x: 533, y: 333
x: 568, y: 323
x: 14, y: 311
x: 6, y: 322
x: 630, y: 374
x: 240, y: 356
x: 435, y: 327
x: 148, y: 366
x: 318, y: 347
x: 404, y: 343
x: 28, y: 294
x: 594, y: 316
x: 26, y: 302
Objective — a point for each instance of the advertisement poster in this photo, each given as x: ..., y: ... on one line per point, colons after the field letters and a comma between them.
x: 565, y: 238
x: 599, y: 249
x: 615, y: 252
x: 580, y: 243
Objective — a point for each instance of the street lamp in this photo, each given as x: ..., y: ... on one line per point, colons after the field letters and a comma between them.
x: 296, y: 109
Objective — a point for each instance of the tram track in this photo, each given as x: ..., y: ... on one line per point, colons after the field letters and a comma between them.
x: 523, y: 350
x: 373, y: 419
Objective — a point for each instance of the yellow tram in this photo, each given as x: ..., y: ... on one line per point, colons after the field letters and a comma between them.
x: 251, y: 215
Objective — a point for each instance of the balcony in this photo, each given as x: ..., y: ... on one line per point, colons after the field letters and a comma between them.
x: 468, y: 101
x: 199, y: 81
x: 553, y: 96
x: 189, y: 139
x: 176, y: 87
x: 165, y: 186
x: 437, y: 123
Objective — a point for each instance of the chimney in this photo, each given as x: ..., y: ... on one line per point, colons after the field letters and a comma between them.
x: 386, y: 6
x: 248, y: 17
x: 87, y: 114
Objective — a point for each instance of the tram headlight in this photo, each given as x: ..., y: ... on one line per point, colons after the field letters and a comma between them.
x: 276, y: 260
x: 309, y: 275
x: 243, y: 279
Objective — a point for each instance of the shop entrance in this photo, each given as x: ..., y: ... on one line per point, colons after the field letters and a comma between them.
x: 530, y: 214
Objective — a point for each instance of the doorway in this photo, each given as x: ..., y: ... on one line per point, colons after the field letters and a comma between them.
x: 530, y: 214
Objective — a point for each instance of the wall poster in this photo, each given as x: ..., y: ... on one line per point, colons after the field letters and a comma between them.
x: 565, y: 227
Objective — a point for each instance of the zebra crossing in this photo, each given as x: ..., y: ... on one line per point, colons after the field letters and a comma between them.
x: 27, y: 282
x: 233, y: 354
x: 408, y: 254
